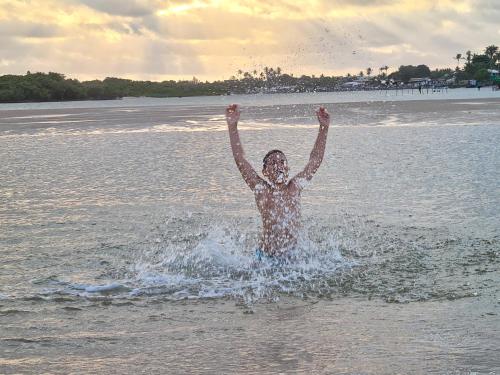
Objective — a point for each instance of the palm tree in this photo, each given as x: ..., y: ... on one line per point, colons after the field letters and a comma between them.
x: 266, y: 72
x: 369, y: 71
x: 469, y: 57
x: 272, y: 73
x: 496, y: 58
x: 458, y: 57
x: 490, y: 51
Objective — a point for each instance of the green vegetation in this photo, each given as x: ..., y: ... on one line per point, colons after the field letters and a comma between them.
x: 56, y: 87
x: 475, y: 68
x: 405, y: 72
x: 476, y: 65
x: 39, y: 87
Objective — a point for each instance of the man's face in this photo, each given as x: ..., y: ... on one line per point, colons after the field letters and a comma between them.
x: 276, y: 168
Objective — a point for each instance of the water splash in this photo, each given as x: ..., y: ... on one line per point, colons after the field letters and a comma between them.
x: 221, y: 262
x: 198, y: 258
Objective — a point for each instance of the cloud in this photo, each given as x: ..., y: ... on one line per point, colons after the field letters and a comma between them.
x: 28, y: 29
x: 212, y: 39
x: 130, y: 8
x: 169, y: 58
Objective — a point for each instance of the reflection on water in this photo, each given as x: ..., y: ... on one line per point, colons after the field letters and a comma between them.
x: 126, y: 231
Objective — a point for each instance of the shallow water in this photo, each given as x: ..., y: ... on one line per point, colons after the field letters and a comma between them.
x: 128, y: 237
x: 268, y: 99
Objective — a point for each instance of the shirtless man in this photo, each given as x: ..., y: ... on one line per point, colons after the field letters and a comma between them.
x: 278, y: 199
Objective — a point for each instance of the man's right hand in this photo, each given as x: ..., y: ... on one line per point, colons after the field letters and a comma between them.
x: 232, y: 115
x: 323, y: 117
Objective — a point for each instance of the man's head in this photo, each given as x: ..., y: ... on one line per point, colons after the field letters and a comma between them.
x: 275, y: 167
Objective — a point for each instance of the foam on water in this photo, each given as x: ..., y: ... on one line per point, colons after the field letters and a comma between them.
x: 216, y: 261
x: 223, y: 264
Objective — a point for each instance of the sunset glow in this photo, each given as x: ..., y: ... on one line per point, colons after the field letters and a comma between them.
x: 212, y: 39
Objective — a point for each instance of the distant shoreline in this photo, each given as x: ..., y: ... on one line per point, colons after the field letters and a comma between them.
x: 56, y: 101
x: 49, y: 87
x: 257, y: 100
x: 403, y: 89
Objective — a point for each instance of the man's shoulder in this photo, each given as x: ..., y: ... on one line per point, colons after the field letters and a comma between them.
x: 296, y: 184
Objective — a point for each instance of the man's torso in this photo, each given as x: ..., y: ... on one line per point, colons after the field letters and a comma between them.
x: 280, y: 212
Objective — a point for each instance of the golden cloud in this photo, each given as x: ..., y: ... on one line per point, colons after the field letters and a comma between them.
x: 213, y: 38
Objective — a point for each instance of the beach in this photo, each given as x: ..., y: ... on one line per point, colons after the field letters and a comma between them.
x: 127, y: 237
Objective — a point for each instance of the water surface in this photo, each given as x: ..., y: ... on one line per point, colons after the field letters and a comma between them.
x: 127, y: 238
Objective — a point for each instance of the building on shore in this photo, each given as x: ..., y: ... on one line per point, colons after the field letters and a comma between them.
x: 419, y: 82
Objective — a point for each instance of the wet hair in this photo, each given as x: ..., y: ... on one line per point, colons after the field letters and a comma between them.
x: 264, y: 161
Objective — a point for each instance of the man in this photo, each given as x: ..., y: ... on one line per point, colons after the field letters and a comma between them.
x: 277, y: 198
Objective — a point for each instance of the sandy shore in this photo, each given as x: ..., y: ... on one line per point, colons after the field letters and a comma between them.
x: 81, y: 121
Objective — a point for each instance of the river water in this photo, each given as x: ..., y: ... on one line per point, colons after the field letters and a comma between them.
x: 127, y: 237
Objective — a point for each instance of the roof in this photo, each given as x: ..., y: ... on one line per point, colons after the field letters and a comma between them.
x: 353, y: 83
x: 419, y: 79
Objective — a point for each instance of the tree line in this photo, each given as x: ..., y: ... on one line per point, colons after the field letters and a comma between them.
x: 56, y: 87
x: 476, y: 65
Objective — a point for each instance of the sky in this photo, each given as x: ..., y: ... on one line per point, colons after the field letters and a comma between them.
x: 212, y: 39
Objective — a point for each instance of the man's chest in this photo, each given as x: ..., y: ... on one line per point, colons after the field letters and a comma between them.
x: 278, y: 202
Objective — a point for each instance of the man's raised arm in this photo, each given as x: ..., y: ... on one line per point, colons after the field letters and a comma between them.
x: 318, y: 150
x: 249, y: 175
